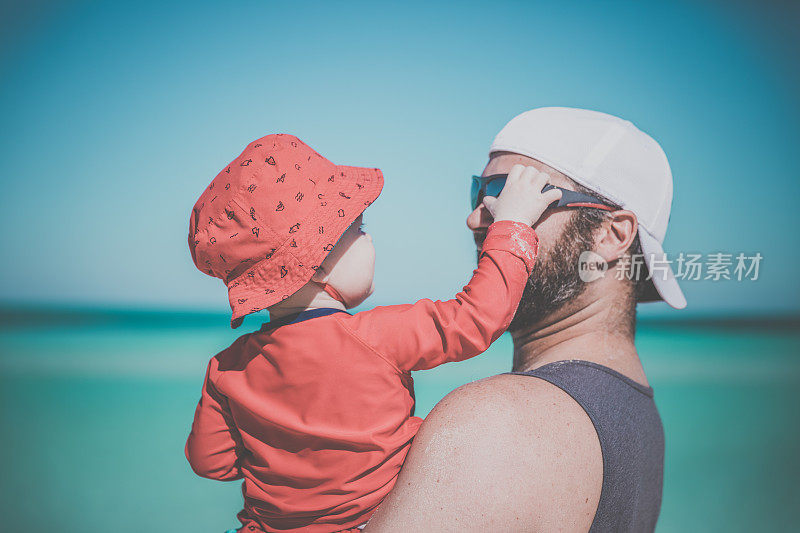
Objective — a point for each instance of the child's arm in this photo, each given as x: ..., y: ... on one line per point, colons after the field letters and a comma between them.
x: 427, y: 333
x: 213, y: 445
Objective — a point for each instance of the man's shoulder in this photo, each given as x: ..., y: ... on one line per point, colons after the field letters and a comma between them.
x: 529, y: 402
x: 508, y: 412
x: 516, y: 408
x: 515, y: 448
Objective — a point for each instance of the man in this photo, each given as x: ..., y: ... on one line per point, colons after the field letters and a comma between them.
x: 572, y: 440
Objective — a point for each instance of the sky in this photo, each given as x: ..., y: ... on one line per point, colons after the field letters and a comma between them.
x: 116, y: 115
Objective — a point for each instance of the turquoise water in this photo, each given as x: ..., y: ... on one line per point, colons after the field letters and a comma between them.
x: 95, y: 415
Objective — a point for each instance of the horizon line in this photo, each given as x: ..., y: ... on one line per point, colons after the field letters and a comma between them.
x: 20, y: 314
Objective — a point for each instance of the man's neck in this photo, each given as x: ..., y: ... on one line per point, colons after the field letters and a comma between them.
x: 590, y: 332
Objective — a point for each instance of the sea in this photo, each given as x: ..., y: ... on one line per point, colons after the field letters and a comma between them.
x: 95, y: 407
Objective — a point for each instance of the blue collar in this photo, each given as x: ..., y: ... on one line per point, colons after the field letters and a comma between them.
x: 300, y: 317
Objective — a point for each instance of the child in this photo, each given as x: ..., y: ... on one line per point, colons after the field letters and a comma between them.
x: 315, y: 409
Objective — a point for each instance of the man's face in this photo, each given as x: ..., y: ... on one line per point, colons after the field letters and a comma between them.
x: 555, y: 278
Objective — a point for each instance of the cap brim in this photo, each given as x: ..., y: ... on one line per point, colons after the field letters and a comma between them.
x: 662, y: 278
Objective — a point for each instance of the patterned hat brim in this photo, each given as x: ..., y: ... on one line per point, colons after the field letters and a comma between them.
x: 287, y: 268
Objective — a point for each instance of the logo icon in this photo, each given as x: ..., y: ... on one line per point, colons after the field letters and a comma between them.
x: 591, y: 266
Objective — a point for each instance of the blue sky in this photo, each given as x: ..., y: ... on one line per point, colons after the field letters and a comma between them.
x: 116, y: 116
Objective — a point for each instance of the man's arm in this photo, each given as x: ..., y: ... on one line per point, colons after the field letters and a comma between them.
x: 507, y: 453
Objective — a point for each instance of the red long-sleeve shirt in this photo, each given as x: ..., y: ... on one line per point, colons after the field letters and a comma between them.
x: 315, y: 412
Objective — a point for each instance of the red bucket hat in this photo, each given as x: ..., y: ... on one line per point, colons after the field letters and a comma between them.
x: 267, y: 221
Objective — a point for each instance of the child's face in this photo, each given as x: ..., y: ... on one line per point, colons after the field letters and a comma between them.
x: 350, y: 266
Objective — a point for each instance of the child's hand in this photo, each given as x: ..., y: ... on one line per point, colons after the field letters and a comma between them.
x: 522, y: 199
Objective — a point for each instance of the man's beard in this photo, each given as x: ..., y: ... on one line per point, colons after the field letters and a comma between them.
x: 555, y: 277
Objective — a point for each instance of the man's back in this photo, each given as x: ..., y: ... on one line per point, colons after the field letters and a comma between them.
x: 631, y: 440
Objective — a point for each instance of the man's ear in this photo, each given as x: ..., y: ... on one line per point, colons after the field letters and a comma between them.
x: 618, y: 232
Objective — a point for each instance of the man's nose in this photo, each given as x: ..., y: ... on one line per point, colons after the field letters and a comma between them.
x: 479, y: 219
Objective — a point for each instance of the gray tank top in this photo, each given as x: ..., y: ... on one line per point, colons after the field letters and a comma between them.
x: 631, y: 440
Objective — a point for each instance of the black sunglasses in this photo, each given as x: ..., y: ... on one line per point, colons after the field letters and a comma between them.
x: 492, y: 185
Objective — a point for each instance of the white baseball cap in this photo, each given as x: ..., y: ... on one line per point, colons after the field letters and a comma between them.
x: 614, y: 158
